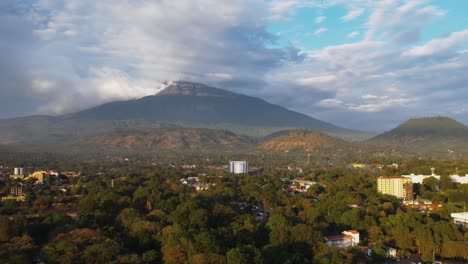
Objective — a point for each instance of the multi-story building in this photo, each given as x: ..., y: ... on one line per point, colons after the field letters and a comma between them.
x: 348, y: 238
x: 238, y: 167
x: 18, y: 173
x: 401, y: 187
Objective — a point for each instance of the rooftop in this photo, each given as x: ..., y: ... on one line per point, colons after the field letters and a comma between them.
x: 392, y: 177
x: 463, y: 215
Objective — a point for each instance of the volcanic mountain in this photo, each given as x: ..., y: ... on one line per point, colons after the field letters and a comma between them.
x: 432, y: 134
x: 179, y: 105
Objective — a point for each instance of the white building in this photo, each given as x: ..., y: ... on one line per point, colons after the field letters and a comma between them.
x: 420, y: 178
x: 460, y: 218
x: 459, y: 179
x: 454, y: 178
x: 238, y: 167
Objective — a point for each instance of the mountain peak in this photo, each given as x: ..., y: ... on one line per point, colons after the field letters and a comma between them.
x: 427, y: 134
x: 194, y: 89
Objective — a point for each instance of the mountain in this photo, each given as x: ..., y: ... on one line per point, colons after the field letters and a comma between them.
x: 432, y: 134
x: 195, y: 105
x: 302, y: 140
x: 179, y: 105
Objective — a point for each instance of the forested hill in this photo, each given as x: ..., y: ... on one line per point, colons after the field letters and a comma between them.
x: 301, y: 139
x: 426, y: 135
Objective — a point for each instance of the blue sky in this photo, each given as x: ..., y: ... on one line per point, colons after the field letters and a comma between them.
x: 362, y: 64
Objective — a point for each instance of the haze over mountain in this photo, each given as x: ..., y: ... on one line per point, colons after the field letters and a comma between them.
x: 432, y: 134
x: 181, y: 104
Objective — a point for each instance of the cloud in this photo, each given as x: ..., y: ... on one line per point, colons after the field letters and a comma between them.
x: 221, y: 76
x: 389, y: 18
x: 279, y: 8
x: 316, y: 80
x: 353, y: 14
x: 353, y: 34
x: 319, y: 19
x: 320, y: 31
x: 330, y: 103
x: 440, y: 45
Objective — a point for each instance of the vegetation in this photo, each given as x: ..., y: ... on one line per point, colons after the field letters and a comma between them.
x: 134, y: 211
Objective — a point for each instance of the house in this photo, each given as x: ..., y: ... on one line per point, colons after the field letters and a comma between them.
x: 348, y: 238
x: 460, y: 219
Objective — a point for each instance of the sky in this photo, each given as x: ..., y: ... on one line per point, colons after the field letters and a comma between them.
x: 361, y: 64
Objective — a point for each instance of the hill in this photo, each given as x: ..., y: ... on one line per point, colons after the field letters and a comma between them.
x: 302, y: 140
x: 165, y: 139
x: 424, y: 135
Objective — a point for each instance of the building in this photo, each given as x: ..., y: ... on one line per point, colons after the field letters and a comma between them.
x: 420, y: 178
x: 460, y: 219
x: 16, y: 190
x: 459, y: 179
x: 454, y: 178
x: 348, y: 238
x: 18, y: 173
x: 40, y: 175
x: 239, y: 167
x: 401, y: 187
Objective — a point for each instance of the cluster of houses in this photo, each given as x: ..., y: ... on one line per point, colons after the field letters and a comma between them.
x: 17, y: 176
x: 194, y: 182
x: 298, y: 186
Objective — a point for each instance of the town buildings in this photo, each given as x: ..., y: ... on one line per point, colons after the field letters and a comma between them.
x: 401, y: 187
x: 238, y: 167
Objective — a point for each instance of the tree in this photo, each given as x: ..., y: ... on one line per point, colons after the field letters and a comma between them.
x: 245, y: 254
x: 431, y: 183
x: 279, y: 229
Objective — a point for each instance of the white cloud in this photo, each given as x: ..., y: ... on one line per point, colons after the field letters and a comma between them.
x: 353, y: 14
x: 316, y: 80
x: 319, y: 19
x: 353, y: 34
x: 330, y: 103
x: 320, y: 31
x: 440, y: 45
x: 279, y: 8
x: 391, y: 18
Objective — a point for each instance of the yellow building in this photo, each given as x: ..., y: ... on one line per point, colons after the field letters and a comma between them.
x: 358, y: 165
x: 400, y: 187
x: 40, y: 175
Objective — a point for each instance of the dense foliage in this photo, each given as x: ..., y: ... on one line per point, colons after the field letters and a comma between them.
x: 132, y: 212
